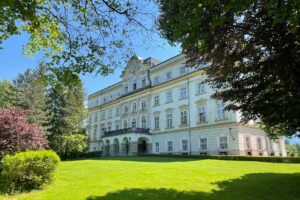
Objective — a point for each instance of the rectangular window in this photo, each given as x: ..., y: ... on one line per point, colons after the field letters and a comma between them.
x: 103, y: 115
x: 247, y: 143
x: 220, y: 111
x: 183, y: 93
x: 117, y: 126
x: 156, y: 100
x: 156, y: 122
x: 169, y: 97
x: 259, y: 143
x: 157, y: 147
x: 143, y: 82
x: 125, y: 124
x: 96, y: 117
x: 170, y: 146
x: 223, y: 143
x: 109, y: 128
x: 169, y: 75
x: 202, y: 115
x: 169, y: 120
x: 134, y: 86
x: 117, y: 111
x: 183, y: 117
x: 201, y: 87
x: 156, y: 80
x: 104, y: 99
x: 183, y: 70
x: 95, y: 133
x: 184, y: 145
x: 203, y: 144
x: 109, y: 113
x: 126, y: 89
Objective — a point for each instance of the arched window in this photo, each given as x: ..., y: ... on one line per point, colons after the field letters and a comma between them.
x: 133, y: 123
x: 125, y: 124
x: 144, y: 122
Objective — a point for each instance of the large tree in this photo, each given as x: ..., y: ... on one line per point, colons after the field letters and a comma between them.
x: 8, y: 96
x: 30, y: 90
x: 77, y: 36
x: 68, y: 115
x: 254, y: 50
x: 17, y: 133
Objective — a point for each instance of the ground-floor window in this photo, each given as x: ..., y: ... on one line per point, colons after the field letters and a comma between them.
x: 170, y: 146
x: 223, y: 142
x: 157, y: 147
x: 248, y: 143
x: 259, y: 143
x: 184, y: 145
x: 203, y: 144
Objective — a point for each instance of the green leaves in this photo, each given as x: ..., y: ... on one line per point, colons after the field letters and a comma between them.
x: 254, y: 49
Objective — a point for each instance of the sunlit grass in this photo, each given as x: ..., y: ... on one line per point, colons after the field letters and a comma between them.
x: 170, y: 178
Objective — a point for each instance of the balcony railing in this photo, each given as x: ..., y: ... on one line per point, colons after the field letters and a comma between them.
x: 145, y: 131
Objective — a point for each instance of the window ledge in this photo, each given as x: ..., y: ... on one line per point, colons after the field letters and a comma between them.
x: 183, y: 98
x: 202, y: 123
x: 156, y: 105
x: 169, y: 102
x: 184, y: 125
x: 220, y: 120
x: 200, y: 93
x: 167, y: 128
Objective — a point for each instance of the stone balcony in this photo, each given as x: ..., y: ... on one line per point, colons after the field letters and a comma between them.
x: 144, y: 131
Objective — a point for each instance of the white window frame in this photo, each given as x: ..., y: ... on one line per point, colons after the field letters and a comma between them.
x: 223, y: 144
x: 202, y: 114
x: 203, y: 144
x: 169, y: 75
x: 184, y: 117
x: 183, y: 93
x: 144, y: 104
x: 156, y: 101
x: 201, y: 87
x: 247, y: 142
x: 169, y: 120
x: 184, y: 147
x: 169, y: 97
x: 144, y: 122
x: 156, y: 80
x: 156, y: 122
x: 170, y: 146
x: 221, y: 111
x: 156, y: 147
x: 259, y: 143
x: 133, y: 123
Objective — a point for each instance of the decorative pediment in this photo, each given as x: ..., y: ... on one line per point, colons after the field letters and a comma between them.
x: 134, y: 67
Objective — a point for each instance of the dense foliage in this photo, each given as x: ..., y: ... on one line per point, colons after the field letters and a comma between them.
x: 67, y: 133
x: 29, y: 170
x: 77, y: 36
x: 7, y: 95
x: 254, y: 50
x: 293, y: 149
x: 17, y: 134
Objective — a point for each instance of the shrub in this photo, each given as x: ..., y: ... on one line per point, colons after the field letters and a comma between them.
x: 29, y: 170
x: 18, y: 134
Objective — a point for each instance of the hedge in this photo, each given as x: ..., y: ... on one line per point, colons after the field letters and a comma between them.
x: 229, y: 157
x: 29, y: 170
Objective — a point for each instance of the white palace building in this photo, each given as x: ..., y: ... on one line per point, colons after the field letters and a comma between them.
x: 166, y: 108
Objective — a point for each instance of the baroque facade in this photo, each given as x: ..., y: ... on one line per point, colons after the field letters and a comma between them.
x: 166, y: 108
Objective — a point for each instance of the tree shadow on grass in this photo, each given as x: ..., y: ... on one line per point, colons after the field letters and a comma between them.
x: 260, y: 186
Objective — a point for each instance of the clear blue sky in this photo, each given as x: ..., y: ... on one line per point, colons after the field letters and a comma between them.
x: 13, y: 62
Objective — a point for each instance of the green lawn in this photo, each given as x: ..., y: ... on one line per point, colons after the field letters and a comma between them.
x: 170, y: 178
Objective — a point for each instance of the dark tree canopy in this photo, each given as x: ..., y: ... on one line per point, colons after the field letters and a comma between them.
x: 254, y: 47
x: 17, y: 134
x: 77, y: 36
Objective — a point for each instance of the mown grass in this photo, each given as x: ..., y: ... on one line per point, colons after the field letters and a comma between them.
x: 154, y: 178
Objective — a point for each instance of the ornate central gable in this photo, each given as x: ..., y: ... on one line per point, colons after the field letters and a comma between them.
x: 134, y: 67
